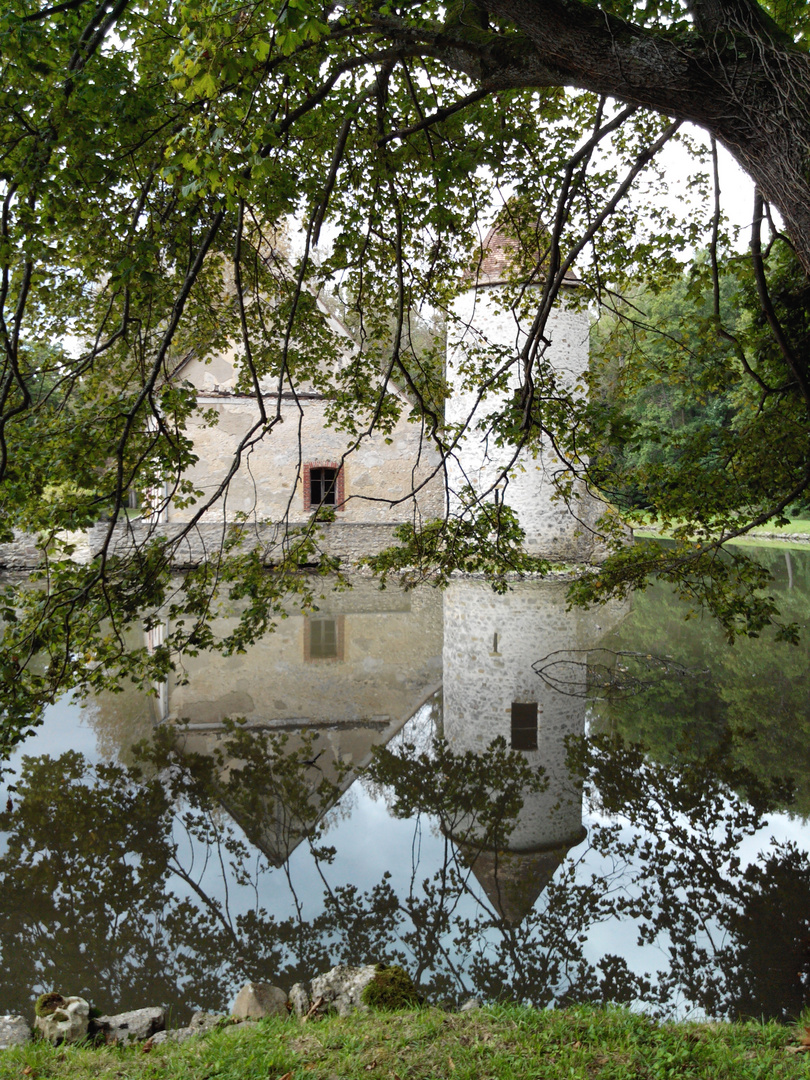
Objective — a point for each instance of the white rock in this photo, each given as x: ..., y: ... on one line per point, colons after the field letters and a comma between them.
x: 14, y: 1031
x: 67, y: 1023
x: 299, y: 1000
x: 136, y: 1026
x: 343, y: 986
x: 255, y: 1001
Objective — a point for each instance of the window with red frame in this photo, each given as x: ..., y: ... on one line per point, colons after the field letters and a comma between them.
x: 323, y: 485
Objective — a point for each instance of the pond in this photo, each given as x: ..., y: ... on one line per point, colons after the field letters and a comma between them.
x: 510, y: 799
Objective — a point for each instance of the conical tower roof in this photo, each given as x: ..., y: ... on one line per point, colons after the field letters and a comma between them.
x: 500, y: 258
x: 513, y: 880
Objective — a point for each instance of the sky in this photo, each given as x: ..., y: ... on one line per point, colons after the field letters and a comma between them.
x: 736, y: 187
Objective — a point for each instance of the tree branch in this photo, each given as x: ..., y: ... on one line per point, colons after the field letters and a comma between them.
x: 69, y: 5
x: 766, y: 303
x: 435, y: 117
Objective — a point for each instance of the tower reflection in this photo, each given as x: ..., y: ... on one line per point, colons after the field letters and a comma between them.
x: 492, y: 644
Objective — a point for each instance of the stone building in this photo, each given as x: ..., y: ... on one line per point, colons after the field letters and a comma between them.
x: 389, y: 480
x: 303, y: 463
x: 381, y: 480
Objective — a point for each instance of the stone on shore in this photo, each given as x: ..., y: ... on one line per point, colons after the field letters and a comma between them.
x: 341, y: 988
x: 14, y: 1031
x: 136, y: 1026
x: 65, y: 1021
x: 255, y: 1001
x: 299, y: 1000
x: 201, y: 1023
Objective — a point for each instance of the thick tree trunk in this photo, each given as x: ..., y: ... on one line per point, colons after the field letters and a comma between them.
x: 735, y: 74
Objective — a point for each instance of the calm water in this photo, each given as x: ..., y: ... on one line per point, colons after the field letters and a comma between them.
x: 346, y: 791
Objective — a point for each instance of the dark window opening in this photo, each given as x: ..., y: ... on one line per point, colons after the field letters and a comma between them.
x: 524, y: 725
x: 323, y: 487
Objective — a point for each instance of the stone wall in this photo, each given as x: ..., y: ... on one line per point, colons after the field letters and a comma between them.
x: 23, y: 553
x: 387, y: 476
x: 490, y: 645
x: 347, y: 541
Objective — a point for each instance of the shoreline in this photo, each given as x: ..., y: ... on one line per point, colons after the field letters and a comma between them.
x: 501, y: 1042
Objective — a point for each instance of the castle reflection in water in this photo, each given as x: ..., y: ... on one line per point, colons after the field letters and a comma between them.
x: 249, y: 858
x: 357, y: 669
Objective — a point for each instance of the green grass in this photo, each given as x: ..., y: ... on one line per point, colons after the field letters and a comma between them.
x: 752, y: 540
x: 489, y: 1044
x: 780, y: 536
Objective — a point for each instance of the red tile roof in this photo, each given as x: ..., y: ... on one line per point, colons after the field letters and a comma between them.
x: 498, y: 260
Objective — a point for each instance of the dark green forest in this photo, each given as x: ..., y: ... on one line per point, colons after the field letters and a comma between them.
x: 688, y: 386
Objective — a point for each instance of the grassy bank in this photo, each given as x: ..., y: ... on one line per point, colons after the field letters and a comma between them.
x: 497, y: 1043
x: 759, y: 540
x: 794, y: 534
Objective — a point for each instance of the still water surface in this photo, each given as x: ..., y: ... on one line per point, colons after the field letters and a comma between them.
x: 347, y: 791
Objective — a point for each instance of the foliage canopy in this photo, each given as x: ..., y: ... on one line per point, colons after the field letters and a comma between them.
x: 153, y: 155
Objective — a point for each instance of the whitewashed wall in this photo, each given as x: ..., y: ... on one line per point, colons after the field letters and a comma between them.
x: 380, y: 474
x: 389, y: 661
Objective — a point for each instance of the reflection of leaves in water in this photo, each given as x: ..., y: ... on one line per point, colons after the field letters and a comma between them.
x: 754, y: 697
x: 420, y: 734
x: 476, y: 797
x: 688, y: 891
x: 109, y: 882
x: 85, y: 901
x: 772, y: 929
x: 278, y: 788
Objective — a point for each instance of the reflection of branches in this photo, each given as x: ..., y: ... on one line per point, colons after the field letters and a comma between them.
x: 420, y: 732
x: 220, y: 915
x: 664, y: 854
x: 608, y: 673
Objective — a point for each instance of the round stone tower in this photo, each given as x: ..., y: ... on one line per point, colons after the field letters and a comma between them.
x: 490, y: 322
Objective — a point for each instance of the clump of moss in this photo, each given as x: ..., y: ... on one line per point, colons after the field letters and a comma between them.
x: 47, y: 1004
x: 391, y: 988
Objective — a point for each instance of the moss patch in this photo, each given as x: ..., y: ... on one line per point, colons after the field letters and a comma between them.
x: 391, y: 988
x: 47, y: 1004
